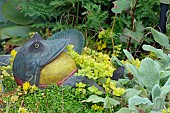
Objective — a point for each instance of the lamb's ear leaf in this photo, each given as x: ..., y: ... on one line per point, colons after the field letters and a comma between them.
x: 76, y: 38
x: 13, y: 14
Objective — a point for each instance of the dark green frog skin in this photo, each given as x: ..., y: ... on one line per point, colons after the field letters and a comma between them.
x: 37, y: 53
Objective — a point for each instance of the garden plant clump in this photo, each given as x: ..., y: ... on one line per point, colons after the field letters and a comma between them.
x: 118, y: 34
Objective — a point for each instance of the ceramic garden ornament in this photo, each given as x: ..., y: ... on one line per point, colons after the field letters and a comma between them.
x: 42, y: 62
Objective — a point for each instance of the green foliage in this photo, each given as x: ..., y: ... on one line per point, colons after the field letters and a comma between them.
x: 51, y: 99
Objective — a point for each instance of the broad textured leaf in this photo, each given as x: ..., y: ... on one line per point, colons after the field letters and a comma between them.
x: 159, y: 52
x: 128, y: 55
x: 156, y: 91
x: 109, y: 102
x: 137, y: 100
x: 120, y: 5
x: 76, y: 38
x: 135, y: 73
x: 149, y: 73
x: 161, y: 38
x: 13, y: 14
x: 94, y: 99
x: 130, y: 92
x: 14, y: 31
x: 126, y: 110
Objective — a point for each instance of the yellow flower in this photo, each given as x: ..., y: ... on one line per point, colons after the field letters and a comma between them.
x: 26, y: 85
x: 103, y: 46
x: 80, y: 84
x: 96, y: 107
x: 5, y: 73
x: 22, y: 110
x: 33, y: 88
x: 13, y: 53
x: 118, y: 91
x: 14, y: 98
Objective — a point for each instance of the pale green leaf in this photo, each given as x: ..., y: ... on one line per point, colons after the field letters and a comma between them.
x: 14, y: 31
x: 161, y: 38
x: 130, y: 92
x: 149, y: 73
x: 12, y: 13
x: 128, y: 55
x: 126, y: 110
x: 109, y: 102
x: 156, y: 91
x: 94, y: 99
x: 158, y: 103
x: 137, y: 100
x: 159, y: 52
x: 135, y: 73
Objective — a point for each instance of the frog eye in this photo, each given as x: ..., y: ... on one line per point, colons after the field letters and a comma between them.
x: 36, y: 45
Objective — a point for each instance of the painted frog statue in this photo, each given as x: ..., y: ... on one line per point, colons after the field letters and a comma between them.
x: 43, y: 62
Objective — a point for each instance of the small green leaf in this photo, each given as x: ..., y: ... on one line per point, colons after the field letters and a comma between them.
x: 128, y: 55
x: 156, y: 91
x: 137, y: 100
x: 94, y: 99
x: 158, y: 103
x: 161, y: 38
x: 109, y: 102
x: 120, y: 5
x: 165, y: 90
x: 95, y: 90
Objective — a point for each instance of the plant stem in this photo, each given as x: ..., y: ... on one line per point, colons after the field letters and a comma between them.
x: 113, y: 24
x: 77, y: 13
x: 132, y: 13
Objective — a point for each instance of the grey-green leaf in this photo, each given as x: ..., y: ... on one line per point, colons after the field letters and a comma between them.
x: 130, y: 92
x: 137, y: 100
x: 12, y: 13
x: 135, y: 73
x: 149, y: 73
x: 94, y: 99
x: 161, y: 38
x: 158, y: 103
x: 126, y: 110
x: 159, y: 52
x: 109, y: 102
x: 128, y: 55
x: 156, y: 91
x: 14, y: 31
